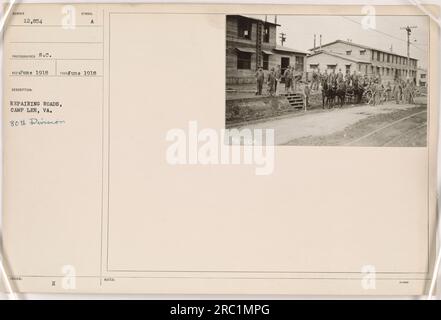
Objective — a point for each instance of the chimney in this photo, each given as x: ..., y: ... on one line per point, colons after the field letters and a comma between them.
x: 315, y: 41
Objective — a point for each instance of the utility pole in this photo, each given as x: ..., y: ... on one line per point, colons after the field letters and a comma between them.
x: 282, y: 38
x: 409, y: 31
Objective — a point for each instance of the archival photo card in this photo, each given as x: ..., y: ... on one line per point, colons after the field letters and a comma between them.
x: 117, y: 177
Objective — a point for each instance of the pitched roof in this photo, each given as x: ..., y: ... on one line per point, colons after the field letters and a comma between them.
x: 340, y: 56
x: 286, y: 49
x: 360, y: 46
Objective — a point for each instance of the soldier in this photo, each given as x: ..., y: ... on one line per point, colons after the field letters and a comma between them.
x: 381, y: 91
x: 278, y: 75
x: 339, y: 76
x: 271, y: 82
x: 412, y: 92
x: 407, y: 91
x: 334, y: 77
x: 315, y: 76
x: 293, y: 79
x: 306, y: 94
x: 375, y: 92
x: 260, y: 78
x: 287, y: 77
x: 396, y: 91
x: 355, y: 76
x: 401, y: 90
x: 325, y: 76
x: 348, y: 77
x: 388, y: 91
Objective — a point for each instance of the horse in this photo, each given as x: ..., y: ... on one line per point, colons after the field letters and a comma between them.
x: 328, y: 94
x: 341, y: 93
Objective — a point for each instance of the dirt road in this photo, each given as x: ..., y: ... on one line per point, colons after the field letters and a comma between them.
x: 388, y: 124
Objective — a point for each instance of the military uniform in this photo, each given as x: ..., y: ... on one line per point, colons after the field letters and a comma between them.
x: 272, y: 82
x: 287, y: 77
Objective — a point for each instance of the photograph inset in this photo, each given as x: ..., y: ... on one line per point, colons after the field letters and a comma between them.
x: 329, y: 80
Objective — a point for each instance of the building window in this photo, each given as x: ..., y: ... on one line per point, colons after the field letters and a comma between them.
x: 331, y: 67
x: 387, y: 71
x: 266, y: 33
x: 244, y: 27
x: 362, y: 52
x: 265, y: 61
x: 348, y: 68
x: 299, y: 64
x: 423, y: 76
x: 373, y: 55
x: 243, y: 60
x: 348, y: 53
x: 388, y: 58
x: 313, y: 67
x: 378, y: 56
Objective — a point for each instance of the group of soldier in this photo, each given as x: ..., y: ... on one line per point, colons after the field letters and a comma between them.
x: 290, y: 75
x: 400, y: 91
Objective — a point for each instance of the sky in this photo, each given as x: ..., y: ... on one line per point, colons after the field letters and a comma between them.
x: 300, y: 32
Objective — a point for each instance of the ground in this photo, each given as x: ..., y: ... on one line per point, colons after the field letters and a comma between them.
x: 389, y: 124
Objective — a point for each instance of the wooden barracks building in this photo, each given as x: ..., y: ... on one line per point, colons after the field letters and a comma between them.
x: 252, y: 43
x: 349, y: 56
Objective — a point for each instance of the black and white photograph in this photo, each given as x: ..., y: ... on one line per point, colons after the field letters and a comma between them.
x: 326, y: 80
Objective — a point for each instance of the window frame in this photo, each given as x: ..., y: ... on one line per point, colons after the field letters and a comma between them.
x: 242, y: 26
x: 266, y: 33
x: 243, y: 63
x: 297, y: 64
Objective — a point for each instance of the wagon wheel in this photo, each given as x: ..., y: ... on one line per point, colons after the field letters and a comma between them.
x: 367, y: 96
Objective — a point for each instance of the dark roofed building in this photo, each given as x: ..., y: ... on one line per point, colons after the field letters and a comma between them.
x: 252, y: 43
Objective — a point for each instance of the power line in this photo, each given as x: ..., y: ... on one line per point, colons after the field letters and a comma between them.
x: 384, y: 33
